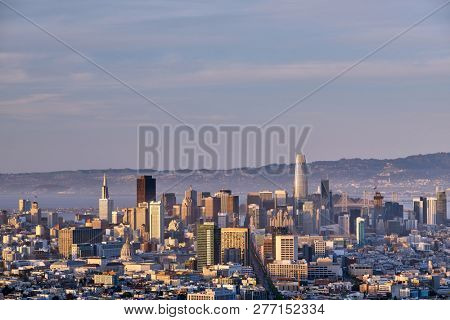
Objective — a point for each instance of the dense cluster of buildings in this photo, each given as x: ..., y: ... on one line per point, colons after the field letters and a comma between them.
x: 213, y: 246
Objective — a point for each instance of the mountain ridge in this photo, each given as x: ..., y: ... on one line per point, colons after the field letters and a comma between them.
x: 415, y: 171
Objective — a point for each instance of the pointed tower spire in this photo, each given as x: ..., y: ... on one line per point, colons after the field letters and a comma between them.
x: 105, y: 193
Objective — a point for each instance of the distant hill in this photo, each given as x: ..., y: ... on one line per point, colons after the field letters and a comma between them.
x: 414, y: 173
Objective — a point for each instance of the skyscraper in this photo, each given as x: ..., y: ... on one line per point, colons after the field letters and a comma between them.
x: 441, y: 207
x: 69, y: 236
x: 378, y: 208
x: 420, y: 209
x: 235, y: 240
x: 24, y: 205
x: 35, y: 213
x: 286, y: 247
x: 325, y: 192
x: 146, y: 189
x: 360, y: 231
x: 431, y: 210
x: 212, y: 208
x: 105, y: 205
x: 168, y: 200
x: 344, y: 225
x: 52, y: 219
x: 208, y: 245
x: 280, y: 198
x: 156, y: 222
x: 189, y: 208
x: 300, y: 179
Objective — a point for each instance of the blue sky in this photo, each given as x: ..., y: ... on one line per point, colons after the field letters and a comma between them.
x: 215, y: 62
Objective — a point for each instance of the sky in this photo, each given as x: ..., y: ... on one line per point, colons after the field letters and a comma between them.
x: 220, y: 62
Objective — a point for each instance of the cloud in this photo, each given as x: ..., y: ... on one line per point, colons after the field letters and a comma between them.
x: 227, y: 74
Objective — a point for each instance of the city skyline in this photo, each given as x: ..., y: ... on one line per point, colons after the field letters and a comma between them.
x: 289, y: 151
x: 274, y: 245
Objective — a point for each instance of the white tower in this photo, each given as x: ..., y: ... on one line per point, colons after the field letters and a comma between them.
x: 105, y: 205
x: 301, y: 179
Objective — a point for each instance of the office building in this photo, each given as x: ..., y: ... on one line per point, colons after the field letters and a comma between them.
x: 286, y: 247
x: 105, y: 204
x: 238, y: 239
x: 208, y: 245
x: 52, y: 219
x: 168, y: 201
x: 257, y: 216
x: 266, y: 198
x: 69, y: 236
x: 420, y: 209
x: 35, y: 212
x: 189, y: 209
x: 24, y: 205
x: 285, y: 269
x: 280, y: 199
x: 156, y: 222
x: 378, y: 209
x: 146, y: 189
x: 344, y: 224
x: 431, y: 210
x: 320, y: 248
x: 441, y: 207
x: 212, y: 208
x: 360, y: 231
x: 222, y: 220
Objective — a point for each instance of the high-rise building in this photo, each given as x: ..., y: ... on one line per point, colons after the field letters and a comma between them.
x: 236, y: 240
x: 344, y: 225
x: 52, y: 219
x: 201, y: 196
x: 222, y: 220
x: 441, y: 207
x: 146, y: 189
x: 320, y: 248
x: 156, y: 222
x: 420, y: 209
x: 142, y: 217
x: 360, y: 231
x: 300, y: 179
x: 253, y: 198
x: 229, y: 204
x: 354, y: 214
x: 189, y: 210
x: 286, y: 247
x: 24, y: 205
x: 69, y: 236
x: 105, y: 204
x: 168, y: 200
x: 281, y: 199
x: 378, y: 208
x: 212, y: 208
x: 35, y: 212
x: 325, y: 193
x: 431, y: 210
x: 129, y: 217
x: 257, y: 216
x: 308, y: 218
x: 208, y: 245
x: 393, y: 210
x: 267, y: 201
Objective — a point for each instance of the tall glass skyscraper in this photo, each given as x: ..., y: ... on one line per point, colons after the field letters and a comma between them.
x: 300, y: 179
